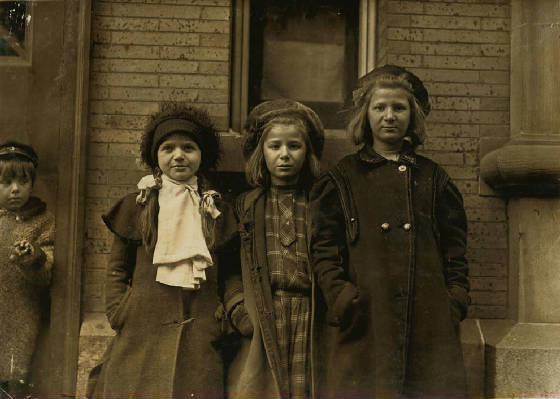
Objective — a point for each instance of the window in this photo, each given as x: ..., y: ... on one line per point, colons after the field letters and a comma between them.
x: 15, y: 20
x: 308, y: 50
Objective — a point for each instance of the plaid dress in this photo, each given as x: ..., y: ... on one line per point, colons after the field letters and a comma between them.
x: 290, y: 282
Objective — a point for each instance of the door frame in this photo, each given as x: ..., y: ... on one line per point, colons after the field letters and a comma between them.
x: 70, y: 204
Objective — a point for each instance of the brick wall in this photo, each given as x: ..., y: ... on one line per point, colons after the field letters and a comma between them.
x: 147, y: 51
x: 144, y: 52
x: 460, y: 49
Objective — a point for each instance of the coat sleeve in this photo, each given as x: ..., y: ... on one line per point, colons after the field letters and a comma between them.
x: 232, y: 311
x: 231, y: 274
x: 227, y: 254
x: 45, y: 242
x: 37, y: 267
x: 328, y: 251
x: 122, y: 221
x: 452, y: 228
x: 118, y: 280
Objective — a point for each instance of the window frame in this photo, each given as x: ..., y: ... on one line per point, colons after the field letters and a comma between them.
x: 24, y: 54
x: 241, y: 21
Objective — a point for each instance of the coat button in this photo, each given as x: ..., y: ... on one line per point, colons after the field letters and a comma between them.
x: 407, y: 226
x: 385, y: 226
x: 402, y: 168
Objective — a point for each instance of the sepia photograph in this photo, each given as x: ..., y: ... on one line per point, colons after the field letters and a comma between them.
x: 285, y: 199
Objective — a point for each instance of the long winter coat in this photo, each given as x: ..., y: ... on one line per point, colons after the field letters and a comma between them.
x: 255, y: 371
x: 167, y: 338
x: 24, y: 282
x: 396, y: 292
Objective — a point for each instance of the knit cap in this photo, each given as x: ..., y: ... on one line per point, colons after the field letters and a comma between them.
x: 190, y: 121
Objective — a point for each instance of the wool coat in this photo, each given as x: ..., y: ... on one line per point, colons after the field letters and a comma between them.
x: 395, y: 292
x: 168, y: 339
x: 24, y: 282
x: 255, y: 371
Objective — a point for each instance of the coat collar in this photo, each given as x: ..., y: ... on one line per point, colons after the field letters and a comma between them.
x: 33, y: 207
x: 368, y: 154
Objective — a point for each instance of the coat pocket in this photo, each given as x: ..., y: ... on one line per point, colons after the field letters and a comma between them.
x: 118, y: 316
x: 454, y: 310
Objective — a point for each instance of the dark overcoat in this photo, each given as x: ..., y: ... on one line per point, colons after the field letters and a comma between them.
x: 167, y: 342
x: 396, y: 293
x: 255, y: 371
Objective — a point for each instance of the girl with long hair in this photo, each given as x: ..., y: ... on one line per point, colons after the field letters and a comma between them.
x: 164, y: 283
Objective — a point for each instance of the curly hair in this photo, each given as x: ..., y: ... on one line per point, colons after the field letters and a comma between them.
x: 205, y: 135
x: 358, y: 127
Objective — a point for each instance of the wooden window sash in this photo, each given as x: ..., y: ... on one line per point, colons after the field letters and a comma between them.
x: 241, y: 53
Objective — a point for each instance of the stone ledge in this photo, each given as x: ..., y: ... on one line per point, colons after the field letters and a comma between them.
x: 526, y: 166
x: 524, y: 362
x: 96, y: 324
x: 95, y: 335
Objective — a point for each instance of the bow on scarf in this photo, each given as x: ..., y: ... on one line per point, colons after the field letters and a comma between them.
x: 207, y: 201
x: 181, y: 253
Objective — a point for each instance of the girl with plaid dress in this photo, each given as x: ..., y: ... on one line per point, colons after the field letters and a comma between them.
x: 273, y: 307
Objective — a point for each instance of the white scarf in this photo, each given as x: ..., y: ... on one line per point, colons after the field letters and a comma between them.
x: 181, y: 254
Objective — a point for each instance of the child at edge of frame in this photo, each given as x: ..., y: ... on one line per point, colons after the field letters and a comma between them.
x: 26, y: 247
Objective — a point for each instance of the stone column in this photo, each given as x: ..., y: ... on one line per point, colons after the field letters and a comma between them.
x: 523, y: 357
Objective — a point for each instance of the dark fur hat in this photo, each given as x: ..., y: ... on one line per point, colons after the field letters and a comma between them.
x: 181, y: 118
x: 14, y: 149
x: 268, y: 110
x: 418, y: 88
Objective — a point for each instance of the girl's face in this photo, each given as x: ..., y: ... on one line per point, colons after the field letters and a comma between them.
x: 284, y: 152
x: 179, y: 157
x: 14, y: 193
x: 389, y: 116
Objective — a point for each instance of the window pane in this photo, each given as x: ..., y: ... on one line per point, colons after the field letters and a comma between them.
x: 12, y: 27
x: 304, y: 50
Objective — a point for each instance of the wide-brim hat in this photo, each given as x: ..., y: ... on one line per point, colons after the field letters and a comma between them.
x: 418, y: 89
x: 266, y: 111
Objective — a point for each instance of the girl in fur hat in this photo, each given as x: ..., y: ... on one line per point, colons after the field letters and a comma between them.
x: 26, y: 249
x: 163, y: 282
x: 389, y: 243
x: 274, y: 309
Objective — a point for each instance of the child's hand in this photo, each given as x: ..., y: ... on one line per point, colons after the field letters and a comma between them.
x: 22, y: 248
x: 241, y: 321
x: 30, y: 258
